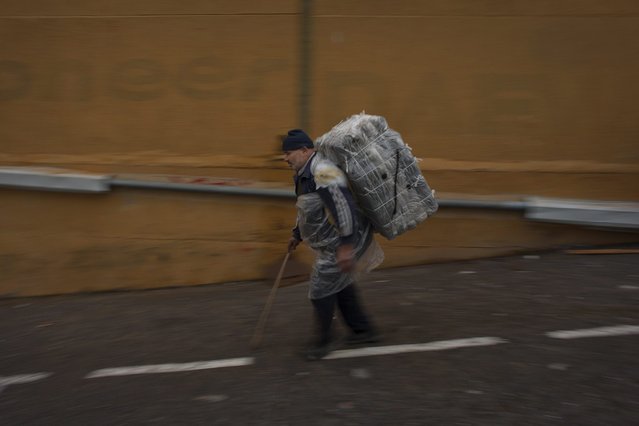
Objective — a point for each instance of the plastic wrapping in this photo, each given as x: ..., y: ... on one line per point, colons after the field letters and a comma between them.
x: 322, y: 237
x: 382, y: 172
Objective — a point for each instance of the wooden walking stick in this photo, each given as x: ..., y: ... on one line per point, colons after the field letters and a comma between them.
x: 259, y: 330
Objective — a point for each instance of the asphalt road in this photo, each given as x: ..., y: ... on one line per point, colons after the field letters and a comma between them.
x: 49, y: 347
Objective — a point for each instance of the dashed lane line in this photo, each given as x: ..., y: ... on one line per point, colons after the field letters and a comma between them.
x: 617, y: 330
x: 418, y: 347
x: 170, y: 368
x: 21, y: 378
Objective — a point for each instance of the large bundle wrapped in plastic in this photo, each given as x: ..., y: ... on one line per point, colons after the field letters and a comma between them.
x: 382, y: 171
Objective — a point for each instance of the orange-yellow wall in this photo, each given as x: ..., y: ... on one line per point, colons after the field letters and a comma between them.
x: 500, y: 99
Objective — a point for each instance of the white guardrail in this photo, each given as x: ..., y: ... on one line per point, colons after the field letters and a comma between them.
x: 622, y: 215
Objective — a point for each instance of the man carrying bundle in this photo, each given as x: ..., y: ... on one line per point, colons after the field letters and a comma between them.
x: 339, y: 238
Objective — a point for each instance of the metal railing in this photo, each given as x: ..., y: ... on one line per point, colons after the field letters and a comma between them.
x: 602, y: 214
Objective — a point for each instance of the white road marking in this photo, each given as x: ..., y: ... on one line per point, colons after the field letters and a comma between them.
x: 170, y: 368
x: 441, y: 345
x: 21, y: 378
x: 417, y: 347
x: 629, y: 287
x: 617, y: 330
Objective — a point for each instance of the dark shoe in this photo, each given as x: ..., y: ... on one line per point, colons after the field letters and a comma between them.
x: 370, y: 336
x: 318, y: 352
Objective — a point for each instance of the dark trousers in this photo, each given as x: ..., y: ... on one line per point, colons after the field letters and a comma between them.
x: 350, y: 308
